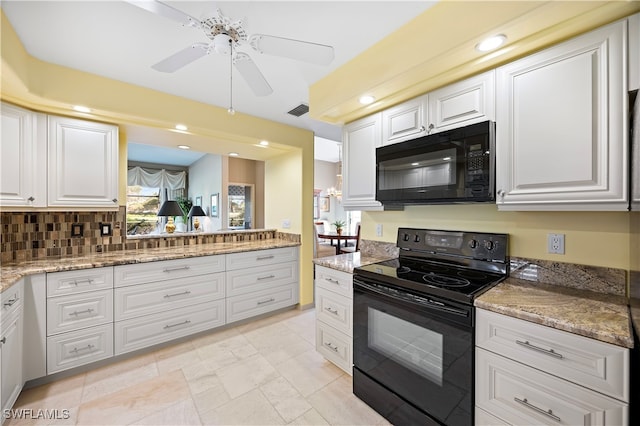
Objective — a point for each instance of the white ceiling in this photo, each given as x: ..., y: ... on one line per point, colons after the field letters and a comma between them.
x: 120, y: 41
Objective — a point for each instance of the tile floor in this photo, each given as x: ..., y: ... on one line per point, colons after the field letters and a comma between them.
x: 265, y: 372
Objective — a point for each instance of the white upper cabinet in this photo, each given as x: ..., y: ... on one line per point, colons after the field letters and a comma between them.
x: 83, y: 163
x: 463, y: 103
x: 561, y: 139
x: 405, y: 121
x: 23, y: 154
x: 359, y: 142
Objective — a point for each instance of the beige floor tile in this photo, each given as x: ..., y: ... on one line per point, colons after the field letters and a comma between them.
x: 182, y: 413
x: 214, y: 336
x: 246, y: 374
x: 278, y: 343
x: 176, y: 356
x: 252, y: 408
x: 202, y: 376
x: 309, y: 372
x: 238, y: 345
x: 136, y: 402
x: 310, y: 418
x: 337, y: 403
x: 121, y: 375
x: 212, y: 398
x: 59, y: 395
x: 285, y: 398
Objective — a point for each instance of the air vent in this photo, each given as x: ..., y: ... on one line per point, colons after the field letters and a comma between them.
x: 299, y: 110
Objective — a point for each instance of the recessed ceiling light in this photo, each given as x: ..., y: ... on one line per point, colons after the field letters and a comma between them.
x: 184, y: 147
x: 366, y: 99
x: 264, y: 143
x: 491, y: 43
x: 81, y: 108
x: 233, y: 154
x: 181, y: 127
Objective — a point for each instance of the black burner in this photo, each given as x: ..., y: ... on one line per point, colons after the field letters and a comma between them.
x: 445, y: 281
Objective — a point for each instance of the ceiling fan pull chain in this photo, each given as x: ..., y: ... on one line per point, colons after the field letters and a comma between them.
x: 231, y: 111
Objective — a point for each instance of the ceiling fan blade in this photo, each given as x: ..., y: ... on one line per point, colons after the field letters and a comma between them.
x: 167, y: 11
x: 315, y: 53
x: 252, y: 75
x: 182, y: 58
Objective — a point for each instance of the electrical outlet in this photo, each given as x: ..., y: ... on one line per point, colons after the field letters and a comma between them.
x: 379, y: 230
x: 555, y: 243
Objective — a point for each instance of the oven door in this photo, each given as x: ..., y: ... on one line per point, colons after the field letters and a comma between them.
x: 419, y: 348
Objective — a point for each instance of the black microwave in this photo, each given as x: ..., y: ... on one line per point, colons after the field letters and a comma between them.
x: 454, y: 166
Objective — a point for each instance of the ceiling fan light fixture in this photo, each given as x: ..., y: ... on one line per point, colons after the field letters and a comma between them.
x: 222, y: 44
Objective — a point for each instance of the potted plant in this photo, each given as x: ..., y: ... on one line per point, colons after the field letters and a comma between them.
x: 339, y: 224
x: 185, y: 204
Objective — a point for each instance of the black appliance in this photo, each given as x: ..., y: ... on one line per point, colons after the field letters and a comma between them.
x: 454, y: 166
x: 413, y: 337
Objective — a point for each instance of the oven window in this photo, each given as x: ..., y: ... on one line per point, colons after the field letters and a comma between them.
x: 419, y: 171
x: 414, y: 347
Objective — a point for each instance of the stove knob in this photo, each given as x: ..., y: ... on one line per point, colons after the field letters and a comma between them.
x: 488, y: 245
x: 406, y: 237
x: 473, y: 244
x: 417, y: 239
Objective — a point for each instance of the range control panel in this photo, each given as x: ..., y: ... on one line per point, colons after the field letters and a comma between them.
x: 471, y: 245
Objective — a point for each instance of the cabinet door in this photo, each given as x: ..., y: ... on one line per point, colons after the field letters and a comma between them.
x: 463, y: 103
x: 360, y: 140
x: 405, y: 121
x: 83, y: 164
x: 561, y: 142
x: 11, y: 360
x: 22, y: 158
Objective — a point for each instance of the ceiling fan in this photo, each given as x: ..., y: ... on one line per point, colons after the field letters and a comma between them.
x: 226, y: 37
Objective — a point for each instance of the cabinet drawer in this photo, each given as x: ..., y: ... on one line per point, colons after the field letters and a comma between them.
x: 144, y: 299
x: 597, y: 365
x: 485, y: 419
x: 76, y: 311
x: 335, y: 310
x: 334, y: 346
x: 11, y: 299
x: 82, y: 280
x: 521, y: 395
x: 77, y: 348
x: 149, y: 330
x: 142, y: 273
x: 245, y: 281
x: 260, y: 302
x: 336, y: 281
x: 250, y: 259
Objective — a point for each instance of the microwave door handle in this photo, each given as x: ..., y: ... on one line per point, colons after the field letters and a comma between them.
x: 428, y: 303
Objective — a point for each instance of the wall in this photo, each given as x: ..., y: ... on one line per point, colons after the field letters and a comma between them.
x: 324, y: 177
x: 205, y: 179
x: 593, y: 238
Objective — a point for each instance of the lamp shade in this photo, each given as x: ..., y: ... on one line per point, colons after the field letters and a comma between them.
x: 196, y: 211
x: 170, y: 208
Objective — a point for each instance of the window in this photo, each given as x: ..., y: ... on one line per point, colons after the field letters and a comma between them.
x: 143, y: 204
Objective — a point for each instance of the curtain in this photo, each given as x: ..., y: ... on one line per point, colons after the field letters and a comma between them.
x: 163, y: 179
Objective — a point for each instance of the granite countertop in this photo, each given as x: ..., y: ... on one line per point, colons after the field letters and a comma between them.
x: 349, y: 261
x: 10, y: 273
x: 536, y: 298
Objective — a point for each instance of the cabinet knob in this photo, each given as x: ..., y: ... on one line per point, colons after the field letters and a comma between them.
x: 115, y: 200
x: 501, y: 193
x: 423, y: 129
x: 3, y: 340
x: 431, y: 127
x: 31, y: 199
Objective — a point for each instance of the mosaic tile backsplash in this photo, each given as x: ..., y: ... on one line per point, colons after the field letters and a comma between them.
x: 41, y: 235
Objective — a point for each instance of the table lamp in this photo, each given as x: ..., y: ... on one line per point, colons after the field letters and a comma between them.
x: 195, y: 212
x: 170, y: 209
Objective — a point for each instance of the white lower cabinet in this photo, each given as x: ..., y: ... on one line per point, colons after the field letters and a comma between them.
x: 11, y: 334
x: 76, y: 348
x: 334, y: 316
x: 527, y: 373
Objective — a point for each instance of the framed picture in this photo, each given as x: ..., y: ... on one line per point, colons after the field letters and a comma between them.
x: 324, y: 204
x: 198, y: 201
x: 214, y: 204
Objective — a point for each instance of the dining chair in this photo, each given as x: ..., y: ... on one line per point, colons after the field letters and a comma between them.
x: 354, y: 248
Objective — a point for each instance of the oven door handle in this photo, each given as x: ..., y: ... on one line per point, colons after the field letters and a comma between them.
x: 425, y: 301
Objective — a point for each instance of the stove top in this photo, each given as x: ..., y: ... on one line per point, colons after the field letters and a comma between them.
x: 450, y: 264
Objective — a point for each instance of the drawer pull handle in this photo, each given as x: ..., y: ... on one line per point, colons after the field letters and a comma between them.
x: 11, y: 302
x: 331, y: 311
x: 179, y: 268
x: 86, y: 348
x: 3, y: 340
x: 87, y: 280
x: 548, y: 413
x: 168, y: 326
x: 86, y: 311
x: 332, y: 347
x: 168, y: 296
x: 265, y: 257
x: 332, y: 281
x: 266, y: 301
x: 549, y: 352
x: 266, y: 277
